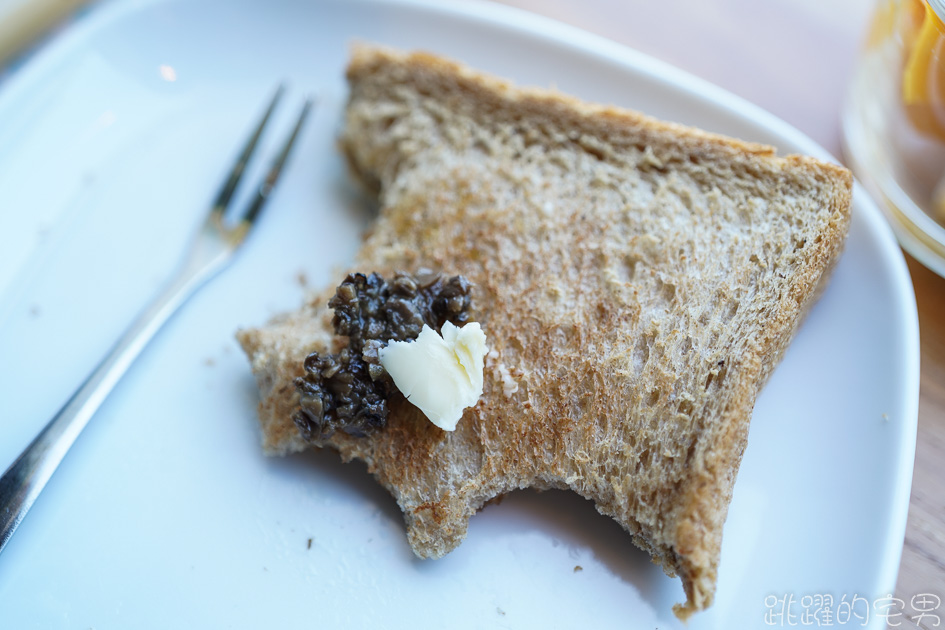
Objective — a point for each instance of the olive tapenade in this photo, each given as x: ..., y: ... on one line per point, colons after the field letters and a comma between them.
x: 349, y: 391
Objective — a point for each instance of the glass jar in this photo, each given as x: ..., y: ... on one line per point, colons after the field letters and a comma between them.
x: 894, y: 122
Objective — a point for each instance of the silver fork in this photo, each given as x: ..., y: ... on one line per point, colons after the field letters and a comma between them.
x: 214, y: 246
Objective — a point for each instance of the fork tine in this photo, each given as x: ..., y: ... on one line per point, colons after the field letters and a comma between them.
x: 262, y: 193
x: 233, y: 180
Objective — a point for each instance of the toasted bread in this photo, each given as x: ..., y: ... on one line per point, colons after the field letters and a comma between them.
x: 637, y: 280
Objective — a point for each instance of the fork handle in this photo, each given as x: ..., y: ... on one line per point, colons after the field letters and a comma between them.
x: 27, y: 476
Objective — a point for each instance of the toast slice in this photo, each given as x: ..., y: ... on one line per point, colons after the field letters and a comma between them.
x: 637, y: 280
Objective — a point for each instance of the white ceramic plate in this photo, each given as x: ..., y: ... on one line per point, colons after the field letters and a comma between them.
x: 166, y: 514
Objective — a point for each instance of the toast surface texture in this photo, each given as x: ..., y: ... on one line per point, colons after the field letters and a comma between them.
x: 637, y: 282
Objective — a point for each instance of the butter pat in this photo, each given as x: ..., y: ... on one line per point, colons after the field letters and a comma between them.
x: 439, y: 375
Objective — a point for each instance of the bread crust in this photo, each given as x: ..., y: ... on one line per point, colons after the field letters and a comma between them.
x: 637, y: 280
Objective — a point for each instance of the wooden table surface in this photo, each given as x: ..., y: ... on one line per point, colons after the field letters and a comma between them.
x: 794, y: 58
